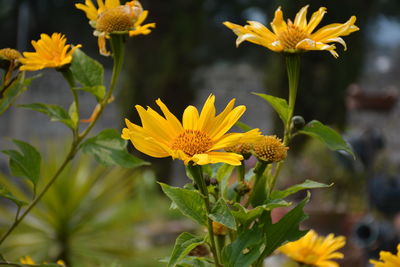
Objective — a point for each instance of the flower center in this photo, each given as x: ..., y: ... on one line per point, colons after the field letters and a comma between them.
x: 192, y: 142
x: 292, y: 36
x: 115, y: 19
x: 270, y: 149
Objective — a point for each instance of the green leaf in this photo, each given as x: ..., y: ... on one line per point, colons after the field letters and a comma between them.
x: 87, y: 71
x: 109, y: 149
x: 280, y: 105
x: 55, y: 112
x: 259, y: 194
x: 243, y: 126
x: 222, y: 214
x: 189, y: 202
x: 190, y: 261
x: 7, y: 194
x: 223, y: 174
x: 245, y: 250
x: 287, y: 229
x: 9, y: 94
x: 307, y: 184
x: 25, y: 164
x: 99, y: 91
x: 183, y: 245
x: 326, y: 135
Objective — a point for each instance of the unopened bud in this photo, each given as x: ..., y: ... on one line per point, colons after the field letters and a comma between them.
x: 298, y: 123
x: 242, y: 188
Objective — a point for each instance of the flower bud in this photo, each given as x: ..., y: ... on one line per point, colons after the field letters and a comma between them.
x: 242, y: 188
x: 298, y: 123
x: 219, y: 229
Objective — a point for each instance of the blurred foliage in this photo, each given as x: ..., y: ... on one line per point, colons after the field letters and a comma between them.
x: 89, y: 216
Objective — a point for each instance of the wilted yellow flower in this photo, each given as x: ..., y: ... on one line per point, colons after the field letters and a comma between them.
x: 315, y: 250
x: 195, y: 140
x: 51, y: 52
x: 219, y: 229
x: 295, y: 36
x: 270, y: 149
x: 9, y: 54
x: 9, y: 60
x: 387, y: 259
x: 112, y: 17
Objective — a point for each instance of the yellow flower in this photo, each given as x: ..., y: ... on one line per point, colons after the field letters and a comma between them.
x: 195, y: 140
x: 9, y: 60
x: 9, y: 54
x: 112, y: 17
x: 270, y: 149
x: 51, y: 52
x: 387, y: 259
x: 28, y: 260
x: 315, y: 250
x: 295, y: 36
x: 219, y: 229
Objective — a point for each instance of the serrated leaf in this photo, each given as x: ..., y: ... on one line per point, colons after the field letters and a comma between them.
x: 245, y: 250
x: 222, y: 214
x: 286, y: 229
x: 183, y: 245
x: 109, y: 148
x: 326, y: 135
x: 99, y: 91
x: 87, y: 71
x: 55, y: 112
x: 307, y: 184
x: 25, y: 164
x: 189, y: 202
x: 7, y: 194
x: 9, y: 94
x: 280, y: 105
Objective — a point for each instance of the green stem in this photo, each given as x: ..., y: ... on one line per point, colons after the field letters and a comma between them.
x: 118, y: 50
x: 69, y: 77
x: 242, y: 171
x: 293, y: 72
x: 259, y: 182
x: 118, y: 55
x: 197, y: 174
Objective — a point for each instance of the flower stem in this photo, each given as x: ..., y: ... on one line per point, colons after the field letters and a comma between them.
x: 69, y: 77
x: 118, y: 56
x: 197, y: 174
x: 293, y: 72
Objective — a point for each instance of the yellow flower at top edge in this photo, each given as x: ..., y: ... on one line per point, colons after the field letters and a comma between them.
x: 50, y: 52
x: 387, y: 259
x: 295, y: 36
x: 315, y: 250
x: 198, y: 139
x: 112, y: 17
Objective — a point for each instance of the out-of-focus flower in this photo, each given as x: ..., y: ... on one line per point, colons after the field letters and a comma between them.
x: 219, y: 229
x: 270, y: 149
x: 50, y: 52
x: 9, y: 61
x: 197, y: 139
x: 295, y: 36
x: 28, y: 260
x: 315, y: 250
x: 110, y: 17
x: 387, y: 259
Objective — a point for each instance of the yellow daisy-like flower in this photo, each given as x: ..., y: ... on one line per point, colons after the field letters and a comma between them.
x: 387, y: 259
x: 315, y: 250
x: 112, y: 17
x: 197, y: 139
x: 51, y: 52
x: 295, y: 36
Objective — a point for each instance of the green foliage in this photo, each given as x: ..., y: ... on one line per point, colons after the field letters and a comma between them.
x: 183, y: 245
x: 286, y: 230
x: 189, y: 261
x: 89, y: 73
x: 326, y: 135
x: 55, y: 112
x: 25, y: 164
x: 245, y: 250
x: 222, y: 176
x: 189, y: 202
x: 222, y: 214
x: 280, y: 105
x: 109, y: 148
x: 10, y: 93
x: 7, y: 194
x: 307, y: 184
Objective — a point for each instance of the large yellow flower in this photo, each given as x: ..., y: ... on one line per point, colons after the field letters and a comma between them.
x: 315, y: 250
x: 195, y: 140
x: 51, y: 52
x: 112, y: 17
x: 295, y: 36
x: 387, y: 259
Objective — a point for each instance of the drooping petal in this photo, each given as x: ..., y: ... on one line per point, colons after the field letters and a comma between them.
x: 335, y: 30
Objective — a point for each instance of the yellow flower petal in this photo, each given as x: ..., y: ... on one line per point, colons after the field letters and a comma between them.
x: 190, y: 118
x: 301, y: 20
x: 278, y: 24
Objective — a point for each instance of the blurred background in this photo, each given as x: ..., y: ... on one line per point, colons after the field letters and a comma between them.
x: 189, y: 55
